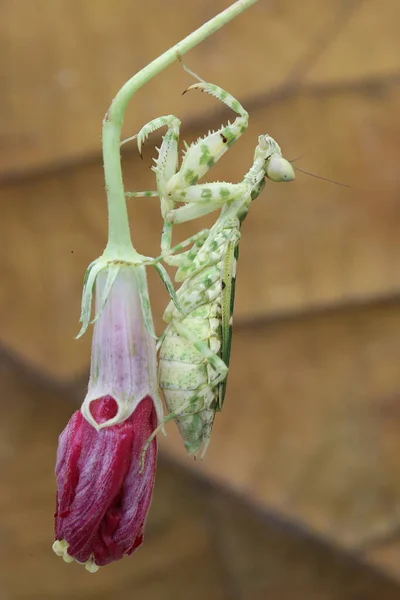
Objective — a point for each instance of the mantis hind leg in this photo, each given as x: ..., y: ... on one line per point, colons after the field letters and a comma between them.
x: 145, y: 194
x: 186, y: 258
x: 198, y: 401
x: 219, y: 367
x: 172, y: 415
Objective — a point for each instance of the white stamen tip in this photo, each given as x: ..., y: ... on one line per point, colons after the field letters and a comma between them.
x: 91, y: 566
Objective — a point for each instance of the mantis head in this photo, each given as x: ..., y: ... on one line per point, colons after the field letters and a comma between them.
x: 276, y: 167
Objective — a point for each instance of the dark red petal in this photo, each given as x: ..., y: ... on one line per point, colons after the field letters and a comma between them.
x: 103, y: 499
x: 69, y: 449
x: 138, y: 487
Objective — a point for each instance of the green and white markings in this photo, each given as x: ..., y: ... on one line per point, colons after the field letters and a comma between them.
x: 195, y: 348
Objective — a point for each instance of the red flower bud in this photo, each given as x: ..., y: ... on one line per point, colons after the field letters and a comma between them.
x: 103, y: 498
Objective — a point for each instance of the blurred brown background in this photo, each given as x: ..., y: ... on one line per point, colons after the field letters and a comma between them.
x: 299, y: 494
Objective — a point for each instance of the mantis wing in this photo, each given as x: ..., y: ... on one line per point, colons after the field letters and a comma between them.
x: 227, y: 306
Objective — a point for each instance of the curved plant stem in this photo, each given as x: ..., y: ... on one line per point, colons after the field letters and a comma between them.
x: 119, y: 240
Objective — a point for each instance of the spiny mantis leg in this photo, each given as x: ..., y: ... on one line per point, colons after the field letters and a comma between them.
x: 215, y: 361
x: 172, y: 415
x: 197, y: 239
x: 165, y: 278
x: 168, y: 152
x: 166, y: 165
x: 203, y: 199
x: 145, y: 194
x: 183, y: 258
x: 173, y: 261
x: 167, y: 256
x: 199, y: 157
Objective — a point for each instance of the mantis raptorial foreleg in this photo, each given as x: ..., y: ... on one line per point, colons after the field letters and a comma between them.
x: 166, y: 163
x: 175, y: 185
x: 203, y: 199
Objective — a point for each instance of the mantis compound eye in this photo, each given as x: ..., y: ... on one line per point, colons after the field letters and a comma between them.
x: 279, y: 169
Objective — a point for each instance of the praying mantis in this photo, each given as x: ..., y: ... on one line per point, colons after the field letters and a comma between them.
x: 194, y: 350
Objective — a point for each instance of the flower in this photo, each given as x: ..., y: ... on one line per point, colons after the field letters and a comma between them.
x: 103, y: 493
x: 103, y: 499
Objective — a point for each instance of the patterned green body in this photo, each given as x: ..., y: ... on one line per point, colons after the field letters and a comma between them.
x: 196, y: 344
x: 207, y: 297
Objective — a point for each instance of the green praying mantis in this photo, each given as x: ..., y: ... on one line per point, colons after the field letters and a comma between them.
x: 194, y: 350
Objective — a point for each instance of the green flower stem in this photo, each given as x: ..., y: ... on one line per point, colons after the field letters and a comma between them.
x: 119, y: 243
